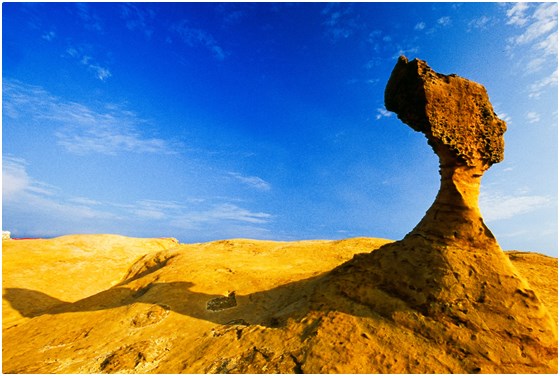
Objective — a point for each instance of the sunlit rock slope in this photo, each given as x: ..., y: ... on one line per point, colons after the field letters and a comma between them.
x: 109, y: 304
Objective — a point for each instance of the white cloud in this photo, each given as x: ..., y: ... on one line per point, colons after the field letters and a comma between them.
x: 156, y: 209
x: 72, y: 52
x: 537, y: 40
x: 80, y: 129
x: 543, y: 21
x: 252, y: 181
x: 537, y: 88
x: 498, y: 206
x: 516, y: 14
x: 222, y: 213
x: 104, y: 138
x: 405, y: 51
x: 138, y: 19
x: 533, y: 117
x: 535, y: 64
x: 549, y: 45
x: 49, y: 36
x: 192, y: 36
x: 340, y: 21
x: 235, y: 213
x: 444, y: 21
x: 381, y: 113
x: 101, y: 73
x: 149, y: 214
x: 88, y: 18
x: 33, y: 197
x: 505, y: 117
x: 420, y: 26
x: 481, y: 23
x: 84, y: 201
x: 38, y: 209
x: 15, y: 180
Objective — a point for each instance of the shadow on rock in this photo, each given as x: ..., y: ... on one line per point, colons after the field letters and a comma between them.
x: 268, y: 308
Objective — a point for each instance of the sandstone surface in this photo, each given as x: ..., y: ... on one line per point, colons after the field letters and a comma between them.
x: 147, y: 312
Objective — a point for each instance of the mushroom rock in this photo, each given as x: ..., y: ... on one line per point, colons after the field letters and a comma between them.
x: 459, y: 122
x: 449, y: 274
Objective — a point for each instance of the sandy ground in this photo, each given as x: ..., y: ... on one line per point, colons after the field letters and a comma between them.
x: 106, y: 303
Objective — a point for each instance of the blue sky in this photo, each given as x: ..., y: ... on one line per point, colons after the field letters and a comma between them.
x: 223, y: 120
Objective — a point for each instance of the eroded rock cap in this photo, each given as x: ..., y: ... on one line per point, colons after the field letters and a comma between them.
x: 448, y: 109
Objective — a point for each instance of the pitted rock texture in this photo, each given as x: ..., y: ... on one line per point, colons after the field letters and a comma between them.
x: 458, y: 120
x: 450, y: 110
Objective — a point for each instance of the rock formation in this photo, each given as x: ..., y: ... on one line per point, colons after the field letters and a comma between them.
x: 459, y: 122
x: 450, y: 268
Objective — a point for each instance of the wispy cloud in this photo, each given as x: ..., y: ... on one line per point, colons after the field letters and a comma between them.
x: 210, y: 219
x: 505, y: 117
x: 89, y: 19
x: 533, y: 117
x: 481, y: 23
x: 221, y: 213
x: 498, y: 108
x: 84, y: 201
x: 193, y: 36
x: 517, y: 14
x: 138, y: 19
x: 102, y: 73
x: 535, y: 64
x: 406, y: 51
x: 14, y: 178
x: 537, y: 40
x: 32, y: 196
x: 380, y: 46
x: 234, y: 13
x: 444, y: 21
x: 441, y: 23
x: 253, y: 182
x: 381, y: 113
x: 340, y: 21
x: 31, y: 205
x: 81, y: 129
x: 540, y: 24
x: 420, y: 26
x: 49, y: 35
x: 539, y: 86
x: 156, y: 209
x: 495, y: 206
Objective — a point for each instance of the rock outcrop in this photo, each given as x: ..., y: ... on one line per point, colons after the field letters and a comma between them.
x: 450, y: 268
x: 6, y: 235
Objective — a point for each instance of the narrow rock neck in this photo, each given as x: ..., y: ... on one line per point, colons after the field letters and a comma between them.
x: 455, y: 217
